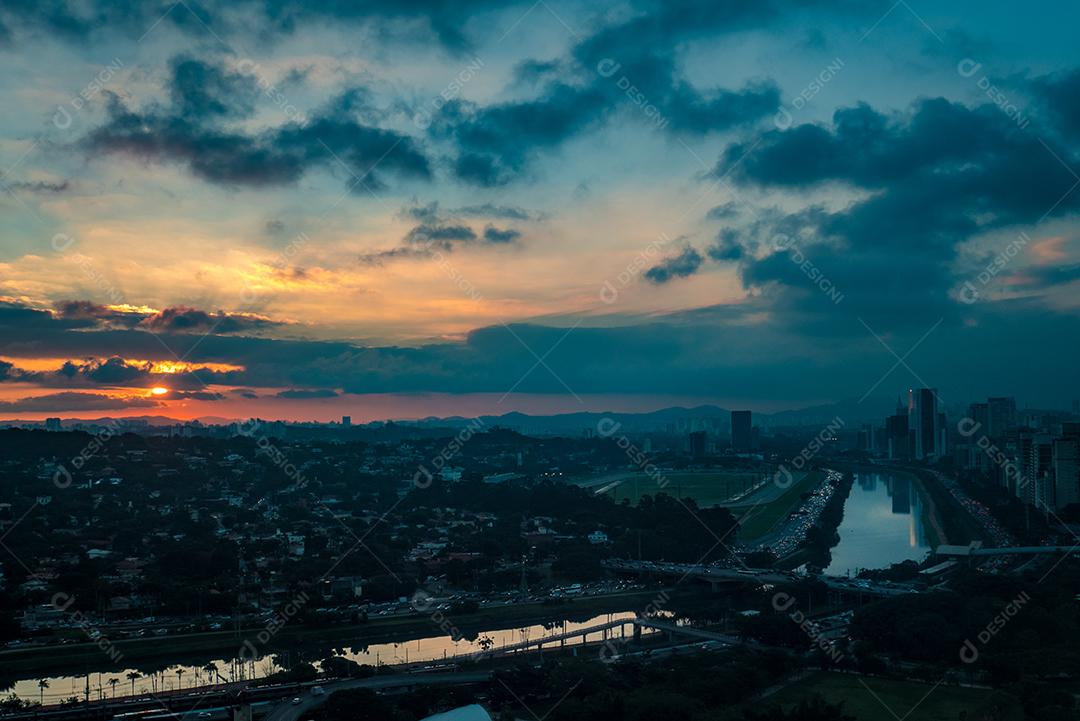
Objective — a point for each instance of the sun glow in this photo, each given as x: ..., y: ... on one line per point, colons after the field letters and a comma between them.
x: 159, y: 391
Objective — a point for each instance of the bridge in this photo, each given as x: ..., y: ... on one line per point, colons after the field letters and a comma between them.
x: 717, y: 575
x: 975, y: 549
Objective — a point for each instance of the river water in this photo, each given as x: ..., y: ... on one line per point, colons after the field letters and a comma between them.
x: 883, y: 524
x: 430, y: 648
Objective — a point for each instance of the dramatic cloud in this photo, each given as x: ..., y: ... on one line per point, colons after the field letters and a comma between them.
x: 679, y: 266
x: 187, y: 133
x: 73, y: 401
x: 182, y: 319
x: 934, y: 177
x: 205, y: 90
x: 726, y: 247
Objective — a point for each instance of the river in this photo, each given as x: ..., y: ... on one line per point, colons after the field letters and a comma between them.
x: 429, y: 648
x: 884, y: 523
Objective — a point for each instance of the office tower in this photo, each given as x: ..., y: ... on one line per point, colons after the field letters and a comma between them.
x: 697, y: 444
x: 1034, y: 467
x: 896, y: 437
x: 740, y: 431
x: 923, y: 411
x: 942, y: 436
x: 346, y: 421
x: 1066, y: 462
x: 1002, y: 417
x: 52, y: 424
x: 980, y: 413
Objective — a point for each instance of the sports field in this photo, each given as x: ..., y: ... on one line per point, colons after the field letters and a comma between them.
x: 707, y: 488
x: 874, y: 699
x: 765, y: 509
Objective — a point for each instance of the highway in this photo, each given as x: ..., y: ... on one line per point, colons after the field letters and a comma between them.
x: 748, y: 575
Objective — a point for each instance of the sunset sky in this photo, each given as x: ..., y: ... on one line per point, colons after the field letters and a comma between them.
x: 387, y: 209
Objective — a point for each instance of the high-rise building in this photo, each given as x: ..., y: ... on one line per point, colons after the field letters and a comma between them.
x: 1034, y: 468
x: 925, y: 420
x: 697, y: 444
x: 897, y: 436
x: 1066, y: 461
x: 52, y: 424
x: 346, y: 421
x: 1001, y: 417
x: 741, y: 424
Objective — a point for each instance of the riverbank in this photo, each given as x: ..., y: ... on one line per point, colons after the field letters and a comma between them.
x: 196, y: 648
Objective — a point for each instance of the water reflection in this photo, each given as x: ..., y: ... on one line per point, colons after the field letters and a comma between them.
x: 883, y: 524
x: 96, y: 683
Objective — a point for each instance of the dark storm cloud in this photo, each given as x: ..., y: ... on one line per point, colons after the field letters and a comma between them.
x: 726, y: 349
x: 422, y: 241
x: 82, y: 310
x: 78, y: 19
x: 9, y: 373
x: 181, y: 319
x: 723, y: 212
x: 443, y: 236
x: 277, y: 156
x: 305, y: 394
x: 628, y: 63
x: 936, y: 175
x: 1060, y: 97
x: 206, y: 90
x: 682, y: 265
x: 496, y: 141
x: 75, y: 401
x: 727, y: 246
x: 495, y: 235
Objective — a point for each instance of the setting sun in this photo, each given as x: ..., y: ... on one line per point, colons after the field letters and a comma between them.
x: 159, y: 390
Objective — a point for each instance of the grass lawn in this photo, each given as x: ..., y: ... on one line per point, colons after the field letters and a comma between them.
x: 707, y: 488
x: 907, y: 700
x: 762, y: 519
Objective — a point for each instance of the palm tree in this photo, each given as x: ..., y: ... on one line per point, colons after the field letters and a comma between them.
x: 42, y: 685
x: 113, y: 682
x: 179, y: 677
x: 212, y: 669
x: 133, y: 677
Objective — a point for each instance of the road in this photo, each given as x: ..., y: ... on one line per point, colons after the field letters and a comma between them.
x: 759, y: 575
x: 288, y: 711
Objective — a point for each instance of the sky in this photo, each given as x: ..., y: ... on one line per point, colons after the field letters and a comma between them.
x: 301, y: 210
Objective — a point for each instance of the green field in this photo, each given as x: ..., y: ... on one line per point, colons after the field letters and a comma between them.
x: 887, y: 699
x: 707, y: 488
x: 759, y: 521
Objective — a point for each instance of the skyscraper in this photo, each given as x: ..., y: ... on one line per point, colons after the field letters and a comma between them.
x: 924, y: 421
x: 1066, y: 460
x: 346, y: 421
x: 697, y: 444
x: 740, y: 431
x: 1001, y: 417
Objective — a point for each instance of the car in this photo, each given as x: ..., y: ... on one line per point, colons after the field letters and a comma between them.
x: 296, y: 701
x: 317, y: 691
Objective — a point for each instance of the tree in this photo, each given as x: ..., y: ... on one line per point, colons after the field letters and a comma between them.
x: 42, y: 685
x: 113, y: 682
x: 133, y: 676
x: 180, y: 678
